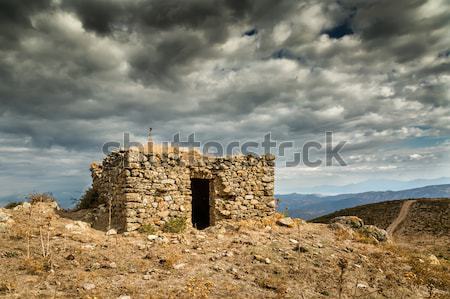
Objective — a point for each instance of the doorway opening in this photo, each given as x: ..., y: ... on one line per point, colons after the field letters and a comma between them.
x: 200, y: 203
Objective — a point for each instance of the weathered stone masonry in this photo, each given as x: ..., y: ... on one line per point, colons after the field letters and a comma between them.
x: 151, y: 188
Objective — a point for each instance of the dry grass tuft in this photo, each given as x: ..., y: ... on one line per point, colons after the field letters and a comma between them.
x: 274, y: 283
x: 147, y: 229
x: 40, y: 197
x: 169, y: 259
x: 36, y: 265
x: 7, y: 287
x: 199, y: 287
x: 422, y: 272
x: 364, y: 238
x: 175, y: 225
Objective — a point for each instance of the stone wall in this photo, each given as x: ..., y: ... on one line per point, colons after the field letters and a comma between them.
x: 152, y: 188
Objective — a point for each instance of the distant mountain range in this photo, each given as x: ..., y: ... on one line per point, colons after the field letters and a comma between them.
x: 309, y: 206
x: 372, y: 185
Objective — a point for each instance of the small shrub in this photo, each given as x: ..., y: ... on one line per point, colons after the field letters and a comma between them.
x: 89, y: 199
x: 35, y: 266
x: 13, y: 204
x: 272, y: 283
x: 175, y: 225
x: 10, y: 254
x: 363, y: 238
x: 6, y: 287
x: 40, y: 197
x: 147, y: 229
x: 285, y: 213
x: 169, y: 259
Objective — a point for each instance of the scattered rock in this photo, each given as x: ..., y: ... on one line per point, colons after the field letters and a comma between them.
x: 88, y: 246
x: 111, y: 265
x: 4, y: 217
x: 433, y: 260
x: 262, y: 259
x: 147, y: 277
x: 54, y: 205
x: 70, y: 257
x: 287, y: 221
x: 24, y: 205
x: 179, y: 266
x: 217, y: 268
x: 88, y: 286
x: 301, y: 249
x: 152, y: 237
x: 111, y: 232
x: 272, y: 204
x: 229, y: 253
x: 77, y: 227
x: 233, y: 270
x: 293, y: 241
x: 95, y: 266
x: 124, y: 297
x: 362, y: 286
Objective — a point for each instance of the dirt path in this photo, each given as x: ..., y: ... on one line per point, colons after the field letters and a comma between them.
x: 401, y: 216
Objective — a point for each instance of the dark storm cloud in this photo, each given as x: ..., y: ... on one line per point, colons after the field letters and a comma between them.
x: 192, y: 28
x: 75, y: 74
x: 15, y: 18
x: 100, y: 16
x: 399, y: 27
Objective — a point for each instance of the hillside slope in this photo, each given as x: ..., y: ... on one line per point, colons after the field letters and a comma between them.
x: 425, y: 216
x: 309, y: 206
x: 47, y: 253
x: 419, y: 223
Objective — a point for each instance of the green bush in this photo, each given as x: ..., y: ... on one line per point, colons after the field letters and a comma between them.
x: 90, y: 199
x: 175, y: 225
x: 13, y: 204
x: 147, y: 229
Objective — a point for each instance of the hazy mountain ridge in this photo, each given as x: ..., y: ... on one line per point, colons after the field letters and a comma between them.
x: 309, y: 206
x: 374, y: 185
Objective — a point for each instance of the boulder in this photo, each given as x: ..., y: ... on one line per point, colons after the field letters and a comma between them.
x: 272, y: 204
x: 286, y: 221
x: 111, y: 232
x: 351, y: 221
x: 88, y: 286
x: 4, y: 217
x: 77, y: 226
x: 152, y: 237
x: 375, y: 232
x: 341, y: 227
x: 433, y: 260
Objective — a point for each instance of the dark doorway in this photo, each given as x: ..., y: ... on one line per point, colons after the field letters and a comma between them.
x: 200, y: 203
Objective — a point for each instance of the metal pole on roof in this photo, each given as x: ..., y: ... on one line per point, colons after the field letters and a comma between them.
x: 150, y: 134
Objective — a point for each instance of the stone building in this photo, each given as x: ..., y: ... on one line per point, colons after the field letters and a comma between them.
x: 143, y: 187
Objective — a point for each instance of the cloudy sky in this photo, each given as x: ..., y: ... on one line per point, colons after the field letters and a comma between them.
x: 77, y: 74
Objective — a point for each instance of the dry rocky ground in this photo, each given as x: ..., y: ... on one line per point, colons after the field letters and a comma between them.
x: 48, y: 253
